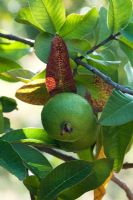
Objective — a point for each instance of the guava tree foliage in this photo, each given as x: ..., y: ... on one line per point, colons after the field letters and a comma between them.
x: 89, y: 56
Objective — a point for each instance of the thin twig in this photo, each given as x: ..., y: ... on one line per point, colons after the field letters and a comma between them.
x: 106, y: 78
x: 78, y: 60
x: 111, y: 37
x: 123, y: 186
x: 19, y: 39
x: 127, y: 166
x: 56, y: 153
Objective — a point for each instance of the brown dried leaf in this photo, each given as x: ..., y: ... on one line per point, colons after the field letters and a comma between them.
x: 34, y: 92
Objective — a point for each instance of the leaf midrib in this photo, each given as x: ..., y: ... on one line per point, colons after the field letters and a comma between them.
x: 56, y: 188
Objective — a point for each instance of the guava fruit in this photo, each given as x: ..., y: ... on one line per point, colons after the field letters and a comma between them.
x: 81, y: 144
x: 68, y: 117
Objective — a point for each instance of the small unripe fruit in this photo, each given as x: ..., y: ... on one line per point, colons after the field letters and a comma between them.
x: 68, y: 117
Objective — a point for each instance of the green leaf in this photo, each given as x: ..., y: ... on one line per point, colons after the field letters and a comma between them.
x: 102, y: 32
x: 25, y: 16
x: 127, y: 48
x: 16, y: 75
x: 39, y: 75
x: 48, y: 13
x: 77, y: 46
x: 71, y: 174
x: 1, y: 119
x: 115, y: 141
x: 128, y: 32
x: 28, y: 134
x: 118, y: 16
x: 32, y: 183
x: 43, y: 46
x: 11, y: 161
x: 8, y: 104
x: 101, y: 170
x: 6, y: 125
x: 6, y: 65
x: 110, y: 68
x: 126, y: 75
x: 13, y: 50
x: 34, y: 160
x: 78, y: 26
x: 118, y: 110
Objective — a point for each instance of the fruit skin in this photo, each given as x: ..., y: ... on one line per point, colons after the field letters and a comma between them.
x: 68, y: 117
x: 81, y: 144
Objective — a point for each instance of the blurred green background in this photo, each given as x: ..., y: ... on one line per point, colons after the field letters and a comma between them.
x: 28, y: 115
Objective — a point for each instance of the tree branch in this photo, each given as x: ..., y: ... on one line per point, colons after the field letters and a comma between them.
x: 123, y: 186
x: 65, y: 157
x: 127, y: 166
x: 111, y: 37
x: 16, y: 38
x: 107, y: 79
x: 56, y: 153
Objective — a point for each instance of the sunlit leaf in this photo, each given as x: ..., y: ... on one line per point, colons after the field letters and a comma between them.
x: 29, y: 135
x: 25, y: 16
x: 34, y: 92
x: 118, y: 16
x: 49, y: 14
x: 14, y: 50
x: 78, y: 26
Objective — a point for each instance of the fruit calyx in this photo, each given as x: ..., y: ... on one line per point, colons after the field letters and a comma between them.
x: 66, y: 128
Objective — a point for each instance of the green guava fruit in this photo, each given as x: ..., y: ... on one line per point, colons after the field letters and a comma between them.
x: 68, y: 117
x: 81, y: 144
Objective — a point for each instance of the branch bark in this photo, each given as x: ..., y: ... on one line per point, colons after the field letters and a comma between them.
x: 16, y: 38
x: 56, y: 153
x: 127, y: 166
x: 123, y: 186
x: 104, y: 77
x: 111, y: 37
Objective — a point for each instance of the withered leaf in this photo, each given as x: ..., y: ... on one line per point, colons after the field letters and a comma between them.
x: 34, y: 92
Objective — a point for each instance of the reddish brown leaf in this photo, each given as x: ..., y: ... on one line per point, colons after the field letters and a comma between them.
x: 101, y: 93
x: 59, y: 77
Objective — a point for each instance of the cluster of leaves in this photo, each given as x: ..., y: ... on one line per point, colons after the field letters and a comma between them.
x: 115, y: 59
